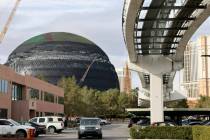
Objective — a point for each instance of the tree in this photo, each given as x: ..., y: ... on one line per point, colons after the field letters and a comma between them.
x: 110, y: 100
x: 203, y: 102
x: 177, y: 104
x: 82, y: 101
x: 73, y: 104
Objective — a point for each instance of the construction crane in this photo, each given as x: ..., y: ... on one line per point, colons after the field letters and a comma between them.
x: 86, y: 72
x: 5, y: 28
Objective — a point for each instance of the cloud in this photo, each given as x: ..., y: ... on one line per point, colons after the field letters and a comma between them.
x: 97, y: 20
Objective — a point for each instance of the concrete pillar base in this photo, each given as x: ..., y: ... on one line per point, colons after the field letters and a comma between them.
x: 156, y: 98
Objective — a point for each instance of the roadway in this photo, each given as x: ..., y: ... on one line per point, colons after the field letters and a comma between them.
x: 110, y: 132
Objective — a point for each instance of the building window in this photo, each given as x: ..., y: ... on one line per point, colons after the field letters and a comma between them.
x: 60, y: 100
x: 49, y: 97
x: 41, y: 95
x: 49, y: 114
x: 3, y: 113
x: 34, y: 93
x: 4, y: 86
x: 37, y: 114
x: 17, y: 92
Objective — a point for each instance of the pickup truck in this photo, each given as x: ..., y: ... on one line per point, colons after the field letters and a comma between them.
x: 11, y: 127
x: 53, y: 123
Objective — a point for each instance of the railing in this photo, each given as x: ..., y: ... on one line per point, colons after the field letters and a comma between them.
x: 124, y: 15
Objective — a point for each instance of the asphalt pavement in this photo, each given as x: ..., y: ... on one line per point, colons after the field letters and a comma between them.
x: 110, y: 132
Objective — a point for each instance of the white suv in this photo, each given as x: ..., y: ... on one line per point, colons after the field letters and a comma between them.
x: 11, y: 127
x: 52, y: 123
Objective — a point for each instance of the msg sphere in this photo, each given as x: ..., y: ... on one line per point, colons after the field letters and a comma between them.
x: 57, y: 54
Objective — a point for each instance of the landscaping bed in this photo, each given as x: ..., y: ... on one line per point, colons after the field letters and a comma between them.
x: 169, y: 132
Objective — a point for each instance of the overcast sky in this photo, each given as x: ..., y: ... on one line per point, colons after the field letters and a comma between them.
x: 98, y: 20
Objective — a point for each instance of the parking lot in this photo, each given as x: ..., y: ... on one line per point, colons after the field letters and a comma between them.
x: 110, y: 132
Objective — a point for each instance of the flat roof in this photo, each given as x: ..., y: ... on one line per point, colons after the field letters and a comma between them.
x: 171, y: 111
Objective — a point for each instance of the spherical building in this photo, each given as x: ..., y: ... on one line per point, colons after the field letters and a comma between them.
x: 56, y: 55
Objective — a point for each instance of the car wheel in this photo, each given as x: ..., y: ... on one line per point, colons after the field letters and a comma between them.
x: 36, y: 134
x: 59, y: 131
x: 51, y: 129
x: 100, y: 136
x: 79, y: 136
x: 20, y: 134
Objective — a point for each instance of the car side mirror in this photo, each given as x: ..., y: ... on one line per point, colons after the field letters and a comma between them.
x: 11, y: 125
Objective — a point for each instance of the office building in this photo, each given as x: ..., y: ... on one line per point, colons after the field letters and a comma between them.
x: 196, y: 69
x: 24, y: 97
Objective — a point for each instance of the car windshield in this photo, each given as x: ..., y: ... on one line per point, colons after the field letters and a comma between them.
x: 89, y: 122
x: 14, y: 122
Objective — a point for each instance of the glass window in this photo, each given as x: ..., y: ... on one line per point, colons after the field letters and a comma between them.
x: 17, y: 92
x: 34, y: 93
x: 50, y: 119
x: 60, y: 100
x: 4, y: 86
x: 60, y: 119
x: 49, y: 97
x: 34, y: 120
x: 41, y: 95
x: 3, y: 113
x: 49, y: 114
x: 3, y: 122
x: 41, y: 120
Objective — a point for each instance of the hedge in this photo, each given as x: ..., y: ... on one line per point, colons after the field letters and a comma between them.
x: 201, y: 132
x: 167, y: 132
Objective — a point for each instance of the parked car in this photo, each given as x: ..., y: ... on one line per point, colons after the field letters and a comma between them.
x: 188, y: 121
x: 53, y: 123
x: 164, y: 124
x: 40, y: 129
x: 139, y: 121
x: 143, y: 122
x: 104, y: 122
x: 89, y: 127
x: 206, y: 122
x: 11, y: 127
x: 195, y: 123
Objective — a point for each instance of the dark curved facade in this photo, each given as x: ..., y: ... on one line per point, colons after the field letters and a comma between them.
x: 56, y: 55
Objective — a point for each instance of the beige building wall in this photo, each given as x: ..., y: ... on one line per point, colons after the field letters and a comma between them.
x: 124, y: 76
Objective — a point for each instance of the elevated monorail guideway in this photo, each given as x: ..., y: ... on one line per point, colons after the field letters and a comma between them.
x: 156, y: 33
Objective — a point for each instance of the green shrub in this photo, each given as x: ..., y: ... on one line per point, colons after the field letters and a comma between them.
x: 135, y: 132
x: 201, y: 132
x: 163, y: 132
x: 167, y: 132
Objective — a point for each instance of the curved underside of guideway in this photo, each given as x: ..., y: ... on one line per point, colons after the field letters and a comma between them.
x: 156, y: 33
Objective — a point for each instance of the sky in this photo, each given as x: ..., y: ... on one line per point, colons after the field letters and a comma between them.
x: 98, y: 20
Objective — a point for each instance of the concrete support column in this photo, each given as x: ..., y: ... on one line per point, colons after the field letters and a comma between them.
x: 156, y: 98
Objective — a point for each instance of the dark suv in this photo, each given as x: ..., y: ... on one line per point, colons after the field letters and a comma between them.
x: 89, y: 127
